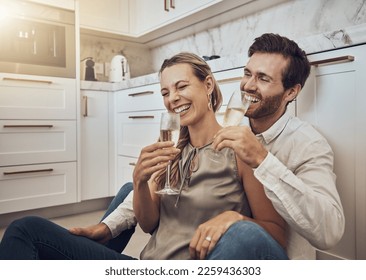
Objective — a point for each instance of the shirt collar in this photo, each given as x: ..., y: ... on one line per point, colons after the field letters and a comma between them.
x: 272, y: 132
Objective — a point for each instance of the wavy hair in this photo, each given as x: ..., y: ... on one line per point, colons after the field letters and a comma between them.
x: 201, y: 70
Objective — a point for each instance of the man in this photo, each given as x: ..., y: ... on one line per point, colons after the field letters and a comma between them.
x: 289, y: 157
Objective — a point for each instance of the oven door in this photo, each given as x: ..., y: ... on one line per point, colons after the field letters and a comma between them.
x: 38, y: 45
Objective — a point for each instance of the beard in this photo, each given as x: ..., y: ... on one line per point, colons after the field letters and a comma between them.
x: 267, y: 106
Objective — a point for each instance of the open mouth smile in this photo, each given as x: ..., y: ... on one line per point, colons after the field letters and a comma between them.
x: 181, y: 109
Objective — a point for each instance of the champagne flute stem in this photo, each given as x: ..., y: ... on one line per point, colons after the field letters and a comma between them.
x: 167, y: 176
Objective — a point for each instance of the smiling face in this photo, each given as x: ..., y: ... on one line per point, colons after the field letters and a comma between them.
x: 185, y: 94
x: 263, y: 80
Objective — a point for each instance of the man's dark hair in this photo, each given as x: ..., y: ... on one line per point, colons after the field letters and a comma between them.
x: 298, y: 68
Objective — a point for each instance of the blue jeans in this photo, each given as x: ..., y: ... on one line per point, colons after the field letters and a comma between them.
x: 38, y: 238
x: 247, y: 240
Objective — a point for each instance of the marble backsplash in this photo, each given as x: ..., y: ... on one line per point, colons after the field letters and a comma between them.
x: 316, y: 25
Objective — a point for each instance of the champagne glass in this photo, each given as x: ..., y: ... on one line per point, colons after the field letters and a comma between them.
x: 169, y: 131
x: 237, y: 107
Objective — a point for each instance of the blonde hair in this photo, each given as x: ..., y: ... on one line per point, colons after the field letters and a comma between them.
x: 201, y: 70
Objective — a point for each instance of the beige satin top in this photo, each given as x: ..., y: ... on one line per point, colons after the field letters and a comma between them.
x: 209, y: 190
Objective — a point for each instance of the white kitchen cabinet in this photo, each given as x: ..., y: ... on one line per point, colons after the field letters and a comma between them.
x: 136, y: 130
x: 143, y: 98
x: 150, y: 15
x: 34, y: 186
x: 34, y: 97
x: 38, y: 142
x: 137, y: 122
x: 143, y: 21
x: 333, y: 101
x: 27, y: 141
x: 65, y: 4
x: 94, y: 125
x: 110, y: 16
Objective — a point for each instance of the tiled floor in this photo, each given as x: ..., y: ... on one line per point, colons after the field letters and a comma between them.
x: 134, y: 247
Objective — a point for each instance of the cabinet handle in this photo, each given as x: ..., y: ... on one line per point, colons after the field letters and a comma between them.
x: 132, y: 163
x: 172, y: 4
x: 141, y: 93
x: 28, y: 171
x: 340, y: 59
x: 141, y: 117
x: 229, y: 80
x: 85, y: 98
x: 28, y: 125
x: 27, y: 80
x: 166, y: 5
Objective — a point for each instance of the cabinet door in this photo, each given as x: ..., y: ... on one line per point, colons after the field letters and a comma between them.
x: 150, y: 15
x: 34, y: 141
x: 31, y: 97
x: 136, y: 130
x: 37, y: 185
x: 141, y: 98
x: 333, y: 101
x: 110, y: 16
x: 65, y: 4
x: 94, y: 145
x: 125, y: 166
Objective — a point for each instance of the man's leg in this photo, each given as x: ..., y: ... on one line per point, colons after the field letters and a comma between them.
x: 38, y: 238
x: 246, y: 240
x: 119, y: 243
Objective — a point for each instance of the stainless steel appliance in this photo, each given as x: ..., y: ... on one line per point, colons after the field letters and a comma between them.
x: 37, y: 39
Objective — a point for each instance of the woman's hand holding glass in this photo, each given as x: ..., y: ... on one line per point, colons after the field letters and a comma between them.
x: 153, y: 158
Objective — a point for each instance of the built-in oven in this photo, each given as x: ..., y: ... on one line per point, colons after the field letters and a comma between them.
x: 37, y: 39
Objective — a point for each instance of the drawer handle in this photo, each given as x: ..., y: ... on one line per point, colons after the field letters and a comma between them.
x: 27, y: 80
x: 141, y: 93
x: 85, y: 98
x: 28, y: 125
x: 229, y: 80
x: 141, y: 117
x: 346, y: 58
x: 28, y: 171
x: 166, y: 6
x: 132, y: 163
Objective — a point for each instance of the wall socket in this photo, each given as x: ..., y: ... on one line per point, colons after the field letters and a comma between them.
x: 99, y: 68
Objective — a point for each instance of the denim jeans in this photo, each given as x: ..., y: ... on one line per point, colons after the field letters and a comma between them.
x: 245, y: 240
x: 38, y: 238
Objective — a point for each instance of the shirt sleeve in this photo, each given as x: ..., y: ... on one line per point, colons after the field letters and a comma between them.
x: 306, y: 197
x: 122, y: 217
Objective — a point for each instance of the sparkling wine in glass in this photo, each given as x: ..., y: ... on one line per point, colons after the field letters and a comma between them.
x: 237, y: 107
x: 169, y: 131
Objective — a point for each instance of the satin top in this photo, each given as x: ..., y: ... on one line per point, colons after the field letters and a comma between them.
x: 207, y: 189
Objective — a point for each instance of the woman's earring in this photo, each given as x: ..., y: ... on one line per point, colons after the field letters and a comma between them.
x: 210, y: 102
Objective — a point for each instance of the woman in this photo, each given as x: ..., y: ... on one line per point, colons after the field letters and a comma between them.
x: 221, y: 212
x: 215, y: 201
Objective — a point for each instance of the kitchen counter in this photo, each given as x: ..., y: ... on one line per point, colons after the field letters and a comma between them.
x: 217, y: 65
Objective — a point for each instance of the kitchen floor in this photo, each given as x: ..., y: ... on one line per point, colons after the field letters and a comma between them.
x: 134, y: 247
